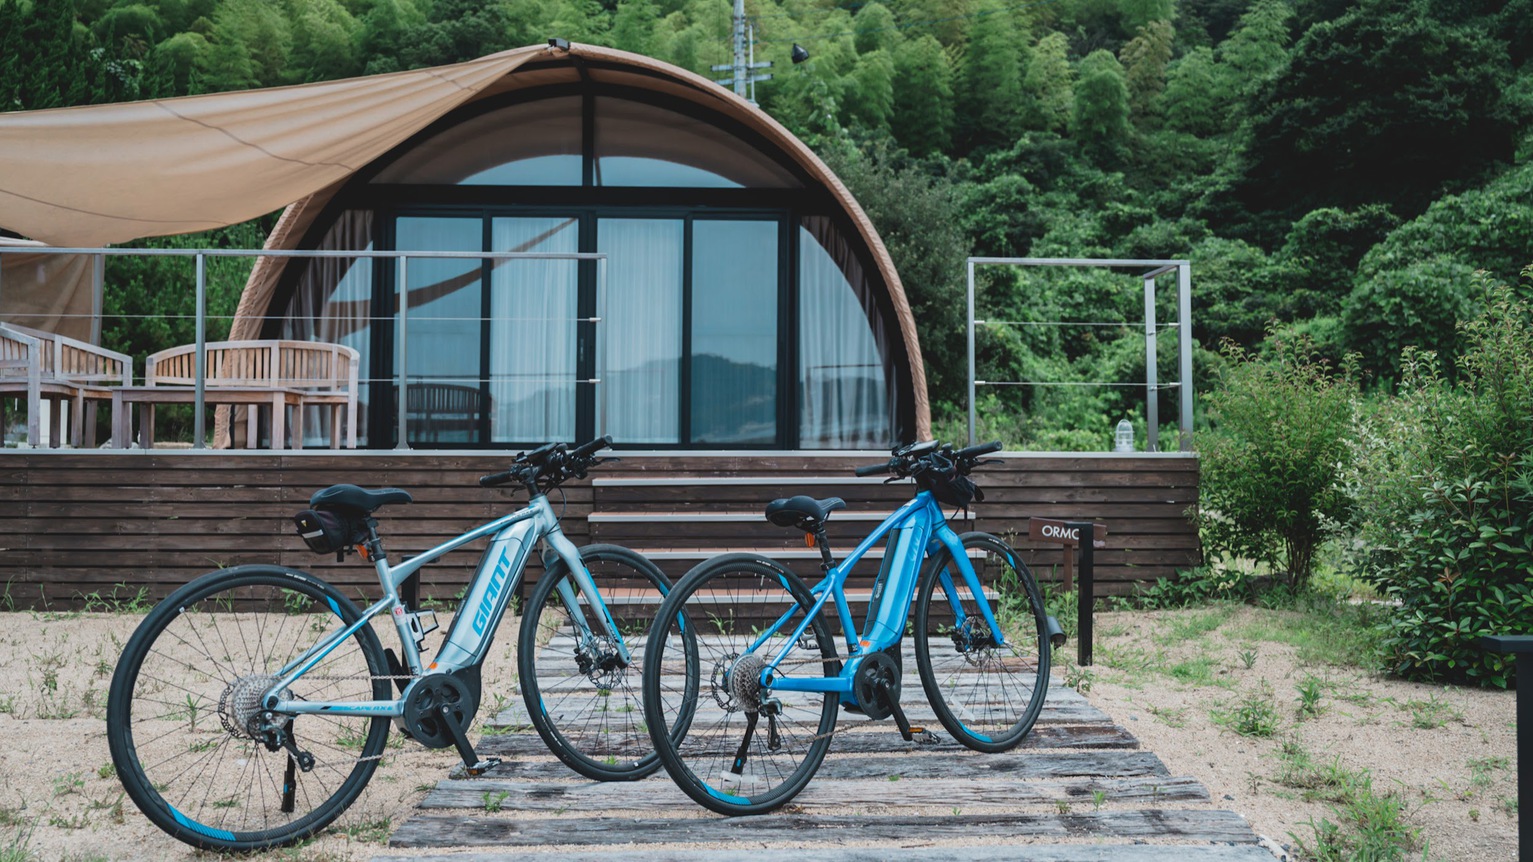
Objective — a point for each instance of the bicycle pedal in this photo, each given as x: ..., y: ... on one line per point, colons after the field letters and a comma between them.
x: 482, y: 766
x: 922, y: 736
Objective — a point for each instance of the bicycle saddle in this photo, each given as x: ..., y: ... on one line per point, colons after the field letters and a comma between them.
x: 805, y: 513
x: 353, y: 497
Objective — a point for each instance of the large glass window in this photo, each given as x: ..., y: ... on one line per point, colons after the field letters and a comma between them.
x: 443, y: 303
x: 844, y: 398
x: 533, y: 307
x: 527, y: 144
x: 640, y: 330
x: 734, y: 332
x: 716, y: 311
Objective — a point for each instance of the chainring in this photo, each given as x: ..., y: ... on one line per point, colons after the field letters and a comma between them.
x: 875, y: 668
x: 424, y: 700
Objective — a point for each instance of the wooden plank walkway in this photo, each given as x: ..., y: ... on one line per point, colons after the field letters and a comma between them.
x: 1078, y: 789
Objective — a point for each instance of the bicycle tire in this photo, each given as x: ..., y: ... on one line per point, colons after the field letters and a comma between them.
x: 987, y: 697
x: 590, y: 716
x: 726, y: 601
x: 204, y: 653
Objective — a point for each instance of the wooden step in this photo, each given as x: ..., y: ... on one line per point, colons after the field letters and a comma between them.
x: 1095, y: 852
x: 1196, y: 825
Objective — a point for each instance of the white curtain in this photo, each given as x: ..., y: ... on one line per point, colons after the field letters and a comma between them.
x: 843, y: 382
x: 333, y: 304
x: 533, y: 304
x: 640, y: 330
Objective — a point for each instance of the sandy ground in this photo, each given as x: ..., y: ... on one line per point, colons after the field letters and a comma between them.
x: 1448, y: 753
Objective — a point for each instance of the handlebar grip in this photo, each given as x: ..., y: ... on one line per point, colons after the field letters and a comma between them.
x: 981, y: 449
x: 593, y: 447
x: 495, y: 479
x: 872, y: 469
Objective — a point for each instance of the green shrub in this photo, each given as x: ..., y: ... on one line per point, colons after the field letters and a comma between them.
x: 1272, y: 459
x: 1444, y: 483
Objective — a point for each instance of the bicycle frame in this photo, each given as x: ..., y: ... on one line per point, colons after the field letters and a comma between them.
x: 922, y: 529
x: 495, y: 580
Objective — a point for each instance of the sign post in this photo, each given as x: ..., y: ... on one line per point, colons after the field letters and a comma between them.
x: 1068, y: 534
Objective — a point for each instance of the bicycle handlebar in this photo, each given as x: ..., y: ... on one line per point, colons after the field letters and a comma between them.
x: 910, y: 459
x: 549, y: 465
x: 871, y: 469
x: 976, y: 451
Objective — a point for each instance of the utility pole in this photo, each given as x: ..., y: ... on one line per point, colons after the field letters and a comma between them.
x: 744, y: 77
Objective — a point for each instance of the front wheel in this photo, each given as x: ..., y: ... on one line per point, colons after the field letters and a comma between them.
x: 581, y: 695
x: 191, y: 744
x: 748, y: 748
x: 986, y: 685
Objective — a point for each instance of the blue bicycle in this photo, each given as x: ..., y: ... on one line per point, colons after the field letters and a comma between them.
x: 753, y: 644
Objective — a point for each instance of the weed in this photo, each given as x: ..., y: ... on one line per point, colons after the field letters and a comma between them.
x: 68, y: 783
x: 1097, y: 798
x: 494, y: 800
x: 1253, y: 715
x: 1248, y: 658
x: 1168, y: 716
x: 1062, y: 806
x: 1371, y: 825
x: 1079, y: 678
x: 1309, y: 698
x: 370, y: 831
x: 1482, y: 772
x: 1432, y: 713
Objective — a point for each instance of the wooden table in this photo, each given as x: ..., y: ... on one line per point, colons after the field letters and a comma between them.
x: 255, y: 397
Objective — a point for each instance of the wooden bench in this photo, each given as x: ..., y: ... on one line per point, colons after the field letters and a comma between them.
x: 278, y: 375
x: 44, y: 366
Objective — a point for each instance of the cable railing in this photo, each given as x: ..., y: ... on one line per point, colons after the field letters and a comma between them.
x: 1152, y: 270
x: 403, y: 377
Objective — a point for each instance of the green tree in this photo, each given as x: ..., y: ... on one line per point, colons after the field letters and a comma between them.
x: 325, y: 38
x: 916, y: 211
x: 1255, y: 52
x: 1444, y: 482
x: 1144, y: 61
x: 877, y: 29
x: 989, y: 94
x: 1279, y: 436
x: 633, y: 27
x: 1101, y: 106
x: 1190, y: 103
x: 869, y: 100
x: 922, y: 119
x: 249, y: 47
x: 1050, y: 84
x: 1385, y: 104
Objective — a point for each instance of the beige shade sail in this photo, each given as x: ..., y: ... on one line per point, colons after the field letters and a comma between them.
x: 90, y: 176
x: 52, y: 292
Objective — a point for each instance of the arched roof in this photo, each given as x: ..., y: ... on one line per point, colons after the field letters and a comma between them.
x: 548, y: 66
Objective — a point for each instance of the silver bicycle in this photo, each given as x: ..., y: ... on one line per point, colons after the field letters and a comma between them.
x: 252, y: 706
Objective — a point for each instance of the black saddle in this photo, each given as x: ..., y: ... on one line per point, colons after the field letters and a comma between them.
x: 805, y: 513
x: 353, y: 497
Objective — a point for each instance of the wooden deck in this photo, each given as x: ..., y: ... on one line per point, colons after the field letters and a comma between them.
x: 78, y: 524
x: 1079, y: 788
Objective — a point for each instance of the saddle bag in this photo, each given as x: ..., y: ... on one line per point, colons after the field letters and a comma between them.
x: 327, y: 531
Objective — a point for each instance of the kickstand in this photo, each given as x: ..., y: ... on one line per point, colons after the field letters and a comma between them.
x: 471, y: 761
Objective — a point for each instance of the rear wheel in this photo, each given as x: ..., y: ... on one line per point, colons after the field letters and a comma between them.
x: 190, y: 741
x: 986, y: 687
x: 747, y: 748
x: 583, y: 698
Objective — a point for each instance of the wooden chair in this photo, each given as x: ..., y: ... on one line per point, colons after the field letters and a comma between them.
x: 284, y: 375
x: 434, y: 409
x: 59, y: 369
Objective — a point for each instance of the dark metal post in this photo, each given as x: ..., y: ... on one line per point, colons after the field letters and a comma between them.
x: 1085, y: 585
x: 1521, y: 648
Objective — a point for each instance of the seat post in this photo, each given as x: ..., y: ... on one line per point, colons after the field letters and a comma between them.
x: 374, y: 543
x: 820, y: 539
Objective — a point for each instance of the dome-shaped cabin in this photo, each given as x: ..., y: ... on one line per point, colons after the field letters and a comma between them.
x: 741, y: 299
